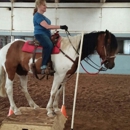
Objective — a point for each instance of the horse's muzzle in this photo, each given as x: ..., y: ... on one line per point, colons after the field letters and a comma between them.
x: 109, y: 65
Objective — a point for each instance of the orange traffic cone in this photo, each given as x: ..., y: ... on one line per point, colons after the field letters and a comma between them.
x: 63, y: 110
x: 10, y: 112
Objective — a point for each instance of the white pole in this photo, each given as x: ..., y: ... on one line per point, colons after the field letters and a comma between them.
x: 76, y: 84
x: 12, y: 37
x: 63, y: 95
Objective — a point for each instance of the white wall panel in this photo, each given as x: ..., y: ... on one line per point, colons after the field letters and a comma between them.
x: 5, y: 19
x: 23, y: 18
x: 80, y: 19
x: 116, y: 19
x: 77, y: 19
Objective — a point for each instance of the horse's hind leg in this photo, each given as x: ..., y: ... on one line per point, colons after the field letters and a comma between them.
x: 24, y: 80
x: 9, y: 91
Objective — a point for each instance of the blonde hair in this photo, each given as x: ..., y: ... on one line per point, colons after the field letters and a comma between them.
x: 38, y: 3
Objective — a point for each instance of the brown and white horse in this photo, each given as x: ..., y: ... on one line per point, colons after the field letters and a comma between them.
x: 14, y: 60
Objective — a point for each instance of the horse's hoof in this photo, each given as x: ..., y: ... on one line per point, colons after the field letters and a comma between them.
x: 57, y: 112
x: 36, y: 107
x: 18, y: 113
x: 33, y: 105
x: 50, y: 114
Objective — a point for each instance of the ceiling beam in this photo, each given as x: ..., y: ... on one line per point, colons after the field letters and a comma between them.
x: 57, y: 1
x: 102, y: 1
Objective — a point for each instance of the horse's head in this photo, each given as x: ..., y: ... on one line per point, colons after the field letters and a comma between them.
x: 106, y: 48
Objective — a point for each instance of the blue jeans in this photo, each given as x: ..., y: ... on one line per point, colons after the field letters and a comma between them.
x: 47, y: 45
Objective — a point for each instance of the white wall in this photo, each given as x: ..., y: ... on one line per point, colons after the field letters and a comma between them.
x: 79, y: 17
x: 5, y: 19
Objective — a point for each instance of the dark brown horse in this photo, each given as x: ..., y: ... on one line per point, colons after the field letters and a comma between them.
x: 14, y: 60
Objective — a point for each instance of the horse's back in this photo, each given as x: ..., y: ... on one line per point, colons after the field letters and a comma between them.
x: 11, y: 49
x: 3, y: 52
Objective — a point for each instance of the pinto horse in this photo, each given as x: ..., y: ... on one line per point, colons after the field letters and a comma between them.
x: 14, y: 60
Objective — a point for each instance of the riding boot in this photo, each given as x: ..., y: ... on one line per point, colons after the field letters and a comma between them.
x: 49, y: 69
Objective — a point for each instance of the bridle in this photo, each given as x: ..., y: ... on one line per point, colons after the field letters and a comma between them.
x: 106, y: 49
x: 105, y: 61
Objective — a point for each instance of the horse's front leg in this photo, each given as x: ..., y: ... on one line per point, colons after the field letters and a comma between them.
x: 57, y: 97
x: 61, y: 89
x: 55, y: 86
x: 24, y: 80
x: 9, y: 91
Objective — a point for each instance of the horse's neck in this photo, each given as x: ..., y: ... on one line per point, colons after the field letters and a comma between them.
x: 66, y: 43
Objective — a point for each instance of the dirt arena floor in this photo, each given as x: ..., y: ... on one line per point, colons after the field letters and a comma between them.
x: 103, y: 101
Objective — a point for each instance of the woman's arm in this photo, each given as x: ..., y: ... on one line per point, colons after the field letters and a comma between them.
x: 47, y: 26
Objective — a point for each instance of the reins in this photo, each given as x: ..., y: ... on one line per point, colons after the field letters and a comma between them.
x: 100, y: 67
x: 64, y: 53
x: 67, y: 33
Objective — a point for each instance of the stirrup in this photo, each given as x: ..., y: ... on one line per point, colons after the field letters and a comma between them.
x: 47, y: 71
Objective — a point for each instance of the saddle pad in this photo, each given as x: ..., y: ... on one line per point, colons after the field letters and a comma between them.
x: 30, y: 48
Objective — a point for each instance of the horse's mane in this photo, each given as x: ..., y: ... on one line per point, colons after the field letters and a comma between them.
x: 114, y: 43
x: 90, y: 41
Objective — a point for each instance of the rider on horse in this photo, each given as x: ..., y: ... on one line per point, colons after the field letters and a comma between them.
x: 42, y: 33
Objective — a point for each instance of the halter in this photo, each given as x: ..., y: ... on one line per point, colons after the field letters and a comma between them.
x: 107, y: 57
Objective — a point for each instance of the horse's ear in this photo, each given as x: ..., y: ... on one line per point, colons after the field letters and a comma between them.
x: 107, y: 36
x: 107, y: 31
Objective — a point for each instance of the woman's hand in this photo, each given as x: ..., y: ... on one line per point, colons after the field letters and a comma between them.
x: 64, y: 27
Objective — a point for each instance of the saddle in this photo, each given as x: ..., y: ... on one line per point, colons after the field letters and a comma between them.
x: 54, y: 39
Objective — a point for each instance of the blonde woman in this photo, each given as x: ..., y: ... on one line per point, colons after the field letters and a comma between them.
x: 42, y: 33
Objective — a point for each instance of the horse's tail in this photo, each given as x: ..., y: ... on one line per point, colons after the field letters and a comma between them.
x: 2, y: 82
